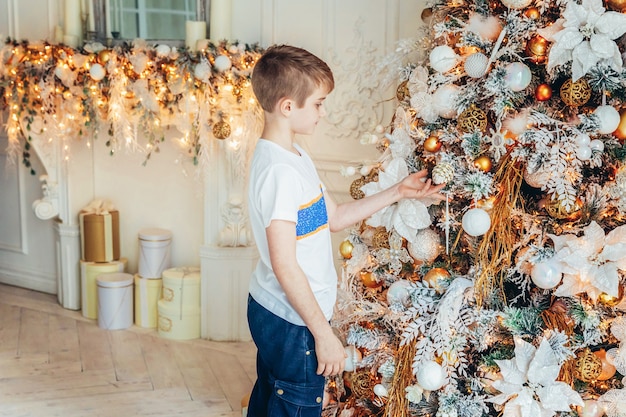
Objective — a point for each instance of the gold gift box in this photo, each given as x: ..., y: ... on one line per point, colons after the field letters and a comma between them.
x: 100, y: 236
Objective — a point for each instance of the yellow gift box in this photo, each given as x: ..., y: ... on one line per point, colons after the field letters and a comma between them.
x: 89, y: 271
x: 147, y: 295
x: 181, y: 287
x: 176, y: 323
x: 99, y: 233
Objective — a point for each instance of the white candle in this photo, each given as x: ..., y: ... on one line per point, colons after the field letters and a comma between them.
x: 70, y: 40
x: 91, y: 25
x: 220, y: 20
x: 194, y: 31
x: 107, y: 18
x: 73, y: 26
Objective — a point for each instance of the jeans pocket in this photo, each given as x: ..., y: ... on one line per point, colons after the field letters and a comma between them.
x: 296, y: 400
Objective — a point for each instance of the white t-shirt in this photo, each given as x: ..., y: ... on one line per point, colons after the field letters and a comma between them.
x: 286, y: 186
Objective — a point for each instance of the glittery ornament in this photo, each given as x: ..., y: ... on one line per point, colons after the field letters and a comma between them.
x: 355, y: 188
x: 221, y: 130
x: 381, y: 238
x: 575, y: 93
x: 558, y: 211
x: 345, y: 249
x: 587, y: 366
x: 443, y: 172
x: 426, y: 246
x: 476, y: 65
x: 472, y: 119
x: 402, y: 92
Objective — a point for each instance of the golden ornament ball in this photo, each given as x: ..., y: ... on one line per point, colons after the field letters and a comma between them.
x: 345, y: 249
x: 608, y: 370
x: 104, y: 56
x: 609, y: 300
x: 355, y: 188
x: 436, y: 278
x: 532, y: 13
x: 537, y: 49
x: 587, y: 366
x: 221, y: 130
x: 369, y: 280
x: 620, y: 132
x: 472, y: 119
x: 543, y: 92
x: 483, y: 163
x: 575, y: 93
x: 558, y: 211
x: 381, y: 238
x: 402, y: 92
x: 432, y: 143
x: 616, y: 5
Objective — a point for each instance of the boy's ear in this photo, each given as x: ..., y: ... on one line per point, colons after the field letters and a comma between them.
x: 285, y: 105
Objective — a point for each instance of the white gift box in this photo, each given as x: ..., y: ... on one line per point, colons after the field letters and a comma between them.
x: 115, y: 300
x: 154, y: 252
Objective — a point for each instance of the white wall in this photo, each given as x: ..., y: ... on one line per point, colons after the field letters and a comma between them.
x: 352, y: 35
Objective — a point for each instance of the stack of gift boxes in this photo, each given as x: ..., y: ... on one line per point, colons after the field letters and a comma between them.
x: 164, y: 298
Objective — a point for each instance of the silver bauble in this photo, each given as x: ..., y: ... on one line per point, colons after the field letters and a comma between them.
x: 426, y: 246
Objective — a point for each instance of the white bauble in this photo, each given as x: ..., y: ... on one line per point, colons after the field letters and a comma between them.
x: 426, y: 246
x: 380, y: 390
x: 476, y: 222
x: 398, y: 292
x: 353, y: 358
x: 592, y: 408
x: 546, y: 274
x: 583, y: 153
x: 444, y: 100
x: 476, y: 65
x: 609, y: 119
x: 582, y: 140
x: 596, y: 145
x: 517, y: 76
x: 163, y: 50
x: 516, y: 4
x: 97, y: 72
x: 222, y: 63
x: 431, y: 376
x: 443, y: 58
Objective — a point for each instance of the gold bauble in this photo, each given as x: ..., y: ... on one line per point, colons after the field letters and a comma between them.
x: 104, y: 56
x: 369, y: 280
x: 402, y: 92
x: 221, y: 130
x: 608, y: 370
x: 345, y: 249
x: 355, y: 188
x: 532, y: 13
x: 381, y: 238
x: 472, y: 119
x: 537, y: 49
x: 543, y: 92
x: 587, y: 366
x: 620, y: 132
x: 432, y: 143
x: 483, y: 163
x: 575, y: 93
x: 556, y: 210
x: 609, y: 300
x: 436, y: 277
x: 616, y: 5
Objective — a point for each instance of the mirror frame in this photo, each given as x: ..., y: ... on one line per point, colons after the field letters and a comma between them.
x: 100, y: 35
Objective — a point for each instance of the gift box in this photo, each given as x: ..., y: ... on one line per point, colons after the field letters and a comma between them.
x: 89, y: 272
x: 178, y: 323
x: 99, y: 233
x: 147, y: 295
x: 154, y: 252
x: 181, y: 287
x: 115, y: 300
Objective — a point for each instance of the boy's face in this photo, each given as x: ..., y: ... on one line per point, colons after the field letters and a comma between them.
x: 304, y: 119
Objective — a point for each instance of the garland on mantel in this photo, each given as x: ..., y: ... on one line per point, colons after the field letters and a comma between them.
x: 134, y: 91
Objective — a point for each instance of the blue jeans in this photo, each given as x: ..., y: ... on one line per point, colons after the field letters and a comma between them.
x: 287, y: 384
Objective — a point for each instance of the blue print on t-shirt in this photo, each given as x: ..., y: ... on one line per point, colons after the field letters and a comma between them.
x: 312, y: 217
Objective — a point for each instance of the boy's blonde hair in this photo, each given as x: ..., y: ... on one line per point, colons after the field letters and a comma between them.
x: 289, y: 71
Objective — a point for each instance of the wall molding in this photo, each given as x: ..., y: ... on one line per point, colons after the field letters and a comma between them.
x: 28, y: 278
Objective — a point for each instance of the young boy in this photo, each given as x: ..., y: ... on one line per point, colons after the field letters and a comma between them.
x: 293, y: 289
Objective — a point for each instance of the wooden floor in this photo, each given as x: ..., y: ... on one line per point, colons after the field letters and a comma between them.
x: 54, y: 362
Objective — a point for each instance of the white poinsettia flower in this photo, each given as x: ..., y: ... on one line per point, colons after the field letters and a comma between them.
x: 408, y: 215
x: 421, y: 100
x: 529, y: 387
x: 586, y: 38
x: 590, y: 262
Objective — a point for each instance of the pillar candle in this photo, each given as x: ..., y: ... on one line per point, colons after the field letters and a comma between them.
x: 220, y: 20
x: 194, y: 31
x: 91, y: 19
x: 107, y: 18
x: 73, y: 26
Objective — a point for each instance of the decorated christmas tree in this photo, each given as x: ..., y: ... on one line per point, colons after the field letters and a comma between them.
x: 506, y: 299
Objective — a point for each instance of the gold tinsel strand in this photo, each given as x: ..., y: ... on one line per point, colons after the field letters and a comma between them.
x: 558, y: 320
x: 397, y: 406
x: 496, y: 248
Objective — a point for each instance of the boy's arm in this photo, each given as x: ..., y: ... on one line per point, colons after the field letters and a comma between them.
x: 281, y: 238
x: 347, y: 214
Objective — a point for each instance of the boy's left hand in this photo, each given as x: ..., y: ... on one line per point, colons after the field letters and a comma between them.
x: 418, y: 186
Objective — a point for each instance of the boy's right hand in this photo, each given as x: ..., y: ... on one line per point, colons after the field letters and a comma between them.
x: 331, y: 355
